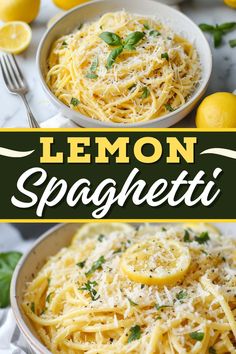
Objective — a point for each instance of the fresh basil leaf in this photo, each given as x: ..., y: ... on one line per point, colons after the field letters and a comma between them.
x: 165, y: 56
x: 96, y: 265
x: 94, y: 65
x: 206, y: 28
x: 198, y: 336
x: 145, y: 93
x: 226, y: 27
x: 91, y: 76
x: 232, y: 43
x: 202, y: 238
x: 132, y: 302
x: 111, y: 38
x: 154, y: 33
x: 217, y: 36
x: 135, y: 333
x: 8, y: 262
x: 160, y: 307
x: 113, y: 55
x: 132, y: 39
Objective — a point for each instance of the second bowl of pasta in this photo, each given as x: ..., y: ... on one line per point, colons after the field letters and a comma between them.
x: 124, y: 64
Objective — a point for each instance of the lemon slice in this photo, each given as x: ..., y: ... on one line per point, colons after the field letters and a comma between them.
x: 96, y: 229
x: 156, y: 262
x: 15, y: 37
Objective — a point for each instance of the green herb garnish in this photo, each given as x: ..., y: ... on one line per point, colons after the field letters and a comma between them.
x: 135, y: 333
x: 218, y: 31
x: 160, y: 307
x: 100, y: 238
x: 32, y: 307
x: 48, y: 298
x: 113, y: 55
x: 232, y: 43
x: 81, y: 264
x: 96, y: 265
x: 181, y: 295
x: 146, y: 26
x: 165, y: 56
x: 169, y: 108
x: 145, y: 93
x: 202, y: 238
x: 89, y: 286
x: 198, y: 336
x: 113, y: 39
x: 64, y: 44
x: 132, y: 302
x: 187, y: 236
x: 91, y: 76
x: 154, y: 33
x: 8, y: 262
x: 74, y: 101
x: 94, y: 65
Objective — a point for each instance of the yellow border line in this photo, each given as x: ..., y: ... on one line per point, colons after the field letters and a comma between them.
x: 75, y: 130
x: 74, y: 221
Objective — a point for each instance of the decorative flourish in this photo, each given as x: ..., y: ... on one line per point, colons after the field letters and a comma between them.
x: 220, y: 151
x: 14, y: 153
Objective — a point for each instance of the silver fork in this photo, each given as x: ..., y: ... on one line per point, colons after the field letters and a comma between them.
x: 16, y: 83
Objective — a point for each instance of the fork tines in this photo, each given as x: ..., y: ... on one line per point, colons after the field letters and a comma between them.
x: 12, y: 74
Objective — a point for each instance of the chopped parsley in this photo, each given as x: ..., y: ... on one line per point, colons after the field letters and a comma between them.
x: 202, y: 238
x: 187, y: 236
x: 145, y: 93
x: 90, y: 75
x: 32, y: 307
x: 89, y: 286
x: 100, y: 238
x: 165, y: 56
x: 154, y: 33
x: 132, y: 302
x: 169, y: 108
x: 64, y: 44
x: 81, y: 264
x: 135, y: 333
x: 96, y: 265
x: 181, y: 295
x: 74, y: 101
x: 146, y: 26
x: 198, y: 336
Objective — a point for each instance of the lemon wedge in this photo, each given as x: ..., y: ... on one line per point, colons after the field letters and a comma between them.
x: 96, y: 229
x: 156, y: 262
x: 15, y: 37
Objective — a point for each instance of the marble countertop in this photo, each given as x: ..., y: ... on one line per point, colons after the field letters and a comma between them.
x: 209, y: 11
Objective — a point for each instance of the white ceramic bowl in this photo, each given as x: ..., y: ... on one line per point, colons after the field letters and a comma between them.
x: 180, y: 23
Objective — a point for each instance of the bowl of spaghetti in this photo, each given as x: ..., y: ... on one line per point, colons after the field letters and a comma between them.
x: 119, y: 63
x: 128, y: 288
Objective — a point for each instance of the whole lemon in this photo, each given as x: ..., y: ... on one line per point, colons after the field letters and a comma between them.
x: 19, y: 10
x: 68, y: 4
x: 231, y: 3
x: 217, y: 111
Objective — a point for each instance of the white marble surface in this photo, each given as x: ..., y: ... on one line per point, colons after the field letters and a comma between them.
x: 210, y: 11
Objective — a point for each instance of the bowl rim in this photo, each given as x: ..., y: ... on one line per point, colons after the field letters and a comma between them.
x: 28, y: 334
x: 100, y: 124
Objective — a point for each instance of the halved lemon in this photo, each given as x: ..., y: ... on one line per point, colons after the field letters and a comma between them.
x: 96, y: 229
x: 231, y: 3
x: 15, y: 37
x: 156, y: 262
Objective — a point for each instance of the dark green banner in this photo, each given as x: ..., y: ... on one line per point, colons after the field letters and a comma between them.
x: 117, y: 174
